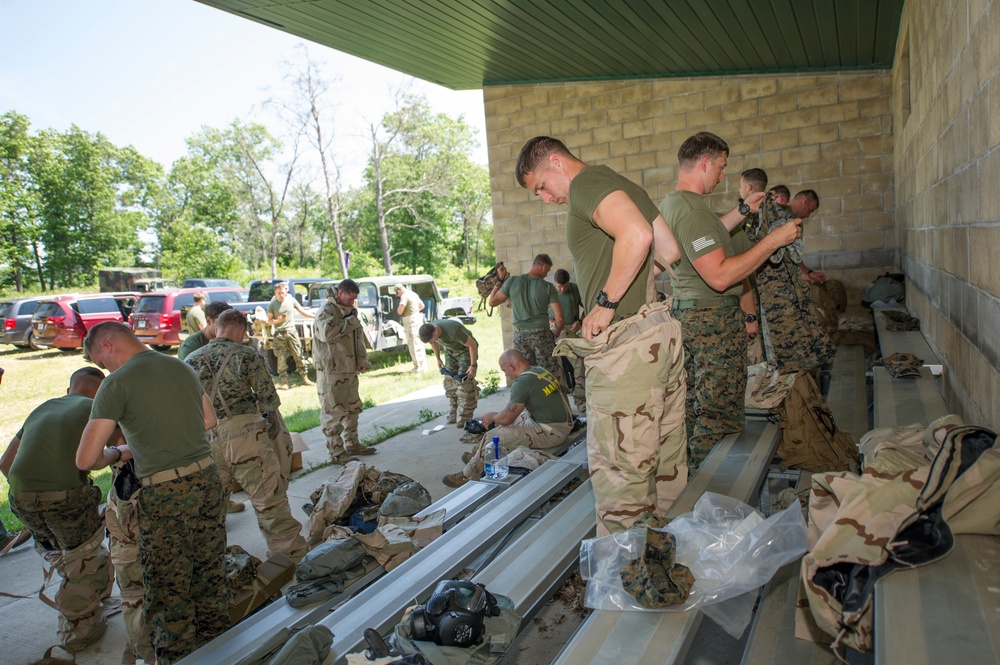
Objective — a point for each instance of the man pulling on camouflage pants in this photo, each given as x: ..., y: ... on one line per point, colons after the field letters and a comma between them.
x: 182, y: 517
x: 635, y: 389
x: 537, y: 415
x: 709, y: 281
x: 58, y: 503
x: 339, y: 355
x: 285, y: 337
x: 235, y: 379
x: 461, y: 359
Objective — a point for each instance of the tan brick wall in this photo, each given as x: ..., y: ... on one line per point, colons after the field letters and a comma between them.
x: 828, y: 132
x: 946, y: 113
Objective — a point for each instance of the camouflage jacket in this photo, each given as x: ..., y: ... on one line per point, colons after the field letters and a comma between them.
x: 244, y: 384
x: 339, y: 340
x: 770, y: 215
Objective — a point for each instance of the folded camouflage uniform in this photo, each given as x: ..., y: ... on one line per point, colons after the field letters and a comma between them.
x: 900, y: 321
x: 902, y: 365
x: 655, y: 579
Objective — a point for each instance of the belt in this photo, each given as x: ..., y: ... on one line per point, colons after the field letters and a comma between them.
x: 53, y: 495
x: 546, y: 328
x: 706, y: 303
x: 179, y: 472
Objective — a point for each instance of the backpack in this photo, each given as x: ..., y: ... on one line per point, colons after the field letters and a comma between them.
x: 485, y: 286
x: 810, y: 439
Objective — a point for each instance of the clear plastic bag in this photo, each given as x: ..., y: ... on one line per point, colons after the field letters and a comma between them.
x: 730, y: 548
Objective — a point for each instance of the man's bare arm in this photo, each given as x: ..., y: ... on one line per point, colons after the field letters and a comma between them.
x: 92, y: 453
x: 505, y: 417
x: 7, y: 460
x: 721, y: 272
x: 733, y: 218
x: 210, y: 419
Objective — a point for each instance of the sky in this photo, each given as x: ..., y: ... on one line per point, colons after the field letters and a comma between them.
x: 152, y: 73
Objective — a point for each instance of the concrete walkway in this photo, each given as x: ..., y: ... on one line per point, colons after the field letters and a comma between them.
x: 29, y: 626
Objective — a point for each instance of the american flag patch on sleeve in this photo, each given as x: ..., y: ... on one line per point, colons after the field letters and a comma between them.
x: 702, y: 242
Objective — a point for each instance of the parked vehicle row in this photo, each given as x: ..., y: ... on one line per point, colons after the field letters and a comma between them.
x: 62, y: 321
x: 157, y: 319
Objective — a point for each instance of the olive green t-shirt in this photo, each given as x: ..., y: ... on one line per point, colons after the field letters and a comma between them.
x: 538, y: 391
x: 191, y: 344
x: 529, y: 301
x: 698, y: 232
x: 591, y: 247
x: 287, y: 308
x: 195, y: 319
x: 453, y: 334
x: 570, y: 302
x: 156, y: 400
x: 46, y: 457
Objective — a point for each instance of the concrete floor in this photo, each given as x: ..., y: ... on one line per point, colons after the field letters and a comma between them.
x: 29, y: 626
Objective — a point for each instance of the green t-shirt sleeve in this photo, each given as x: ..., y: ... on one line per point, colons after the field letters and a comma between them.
x: 700, y: 234
x: 505, y: 287
x: 273, y: 307
x: 108, y: 404
x: 553, y: 293
x: 596, y: 189
x: 519, y: 392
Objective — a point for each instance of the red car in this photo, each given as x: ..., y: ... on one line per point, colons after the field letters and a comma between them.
x: 62, y: 321
x: 156, y: 319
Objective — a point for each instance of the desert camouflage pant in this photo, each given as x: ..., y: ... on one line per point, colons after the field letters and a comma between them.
x: 287, y: 343
x: 244, y: 452
x: 536, y: 346
x: 715, y: 347
x: 418, y: 354
x: 636, y: 443
x: 794, y: 339
x: 463, y: 396
x: 182, y: 547
x: 339, y: 406
x: 122, y: 520
x: 69, y: 536
x: 579, y: 391
x: 522, y: 432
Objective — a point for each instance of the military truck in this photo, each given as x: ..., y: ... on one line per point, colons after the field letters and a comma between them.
x: 125, y: 279
x: 376, y: 304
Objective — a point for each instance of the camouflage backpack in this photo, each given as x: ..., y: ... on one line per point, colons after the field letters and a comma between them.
x: 485, y: 286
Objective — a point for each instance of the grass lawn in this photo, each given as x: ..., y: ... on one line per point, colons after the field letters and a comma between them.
x: 32, y: 377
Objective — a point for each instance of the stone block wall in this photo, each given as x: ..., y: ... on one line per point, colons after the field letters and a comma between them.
x: 946, y: 162
x: 828, y: 132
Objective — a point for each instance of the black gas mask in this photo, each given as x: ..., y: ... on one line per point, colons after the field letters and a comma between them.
x: 453, y: 615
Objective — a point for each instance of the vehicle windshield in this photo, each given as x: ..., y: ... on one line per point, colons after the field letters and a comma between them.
x: 149, y: 304
x: 97, y: 305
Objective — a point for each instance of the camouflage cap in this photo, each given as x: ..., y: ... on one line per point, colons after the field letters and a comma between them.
x: 902, y: 365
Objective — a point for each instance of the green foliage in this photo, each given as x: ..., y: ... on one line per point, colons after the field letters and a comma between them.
x: 491, y: 383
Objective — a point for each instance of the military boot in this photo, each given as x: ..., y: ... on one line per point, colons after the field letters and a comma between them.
x: 456, y: 479
x: 283, y: 379
x: 452, y: 417
x: 358, y: 449
x: 306, y: 381
x: 343, y: 458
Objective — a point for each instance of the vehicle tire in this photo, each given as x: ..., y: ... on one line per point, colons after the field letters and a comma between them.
x: 32, y: 343
x: 162, y: 348
x: 68, y: 351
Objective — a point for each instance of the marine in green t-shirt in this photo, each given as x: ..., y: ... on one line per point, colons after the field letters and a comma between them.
x: 192, y: 343
x: 530, y: 297
x: 539, y: 392
x: 42, y: 455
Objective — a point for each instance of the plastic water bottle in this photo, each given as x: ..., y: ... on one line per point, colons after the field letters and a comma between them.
x: 496, y: 460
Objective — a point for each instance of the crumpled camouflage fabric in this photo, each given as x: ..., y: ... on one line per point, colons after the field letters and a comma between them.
x: 863, y: 527
x: 655, y: 579
x: 406, y: 500
x: 241, y: 569
x: 902, y: 365
x: 898, y: 321
x: 389, y: 544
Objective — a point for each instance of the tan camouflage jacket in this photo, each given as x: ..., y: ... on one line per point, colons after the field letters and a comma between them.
x: 339, y: 340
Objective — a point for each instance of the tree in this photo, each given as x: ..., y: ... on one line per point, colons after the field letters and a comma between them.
x: 411, y: 170
x: 20, y: 233
x: 309, y: 110
x: 93, y: 200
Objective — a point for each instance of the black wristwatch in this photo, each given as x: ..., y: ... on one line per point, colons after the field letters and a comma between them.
x: 751, y: 318
x: 744, y: 208
x: 602, y: 301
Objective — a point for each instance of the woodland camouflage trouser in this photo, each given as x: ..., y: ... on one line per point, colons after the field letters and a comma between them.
x: 69, y: 535
x: 536, y: 346
x: 339, y: 407
x: 122, y: 519
x: 287, y: 343
x: 636, y: 443
x: 243, y: 451
x: 182, y: 546
x: 715, y: 347
x: 794, y: 339
x: 463, y: 396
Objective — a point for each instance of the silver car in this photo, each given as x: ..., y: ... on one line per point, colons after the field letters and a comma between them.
x: 16, y: 318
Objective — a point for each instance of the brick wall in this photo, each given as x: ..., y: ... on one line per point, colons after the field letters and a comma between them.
x: 946, y: 112
x: 829, y: 132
